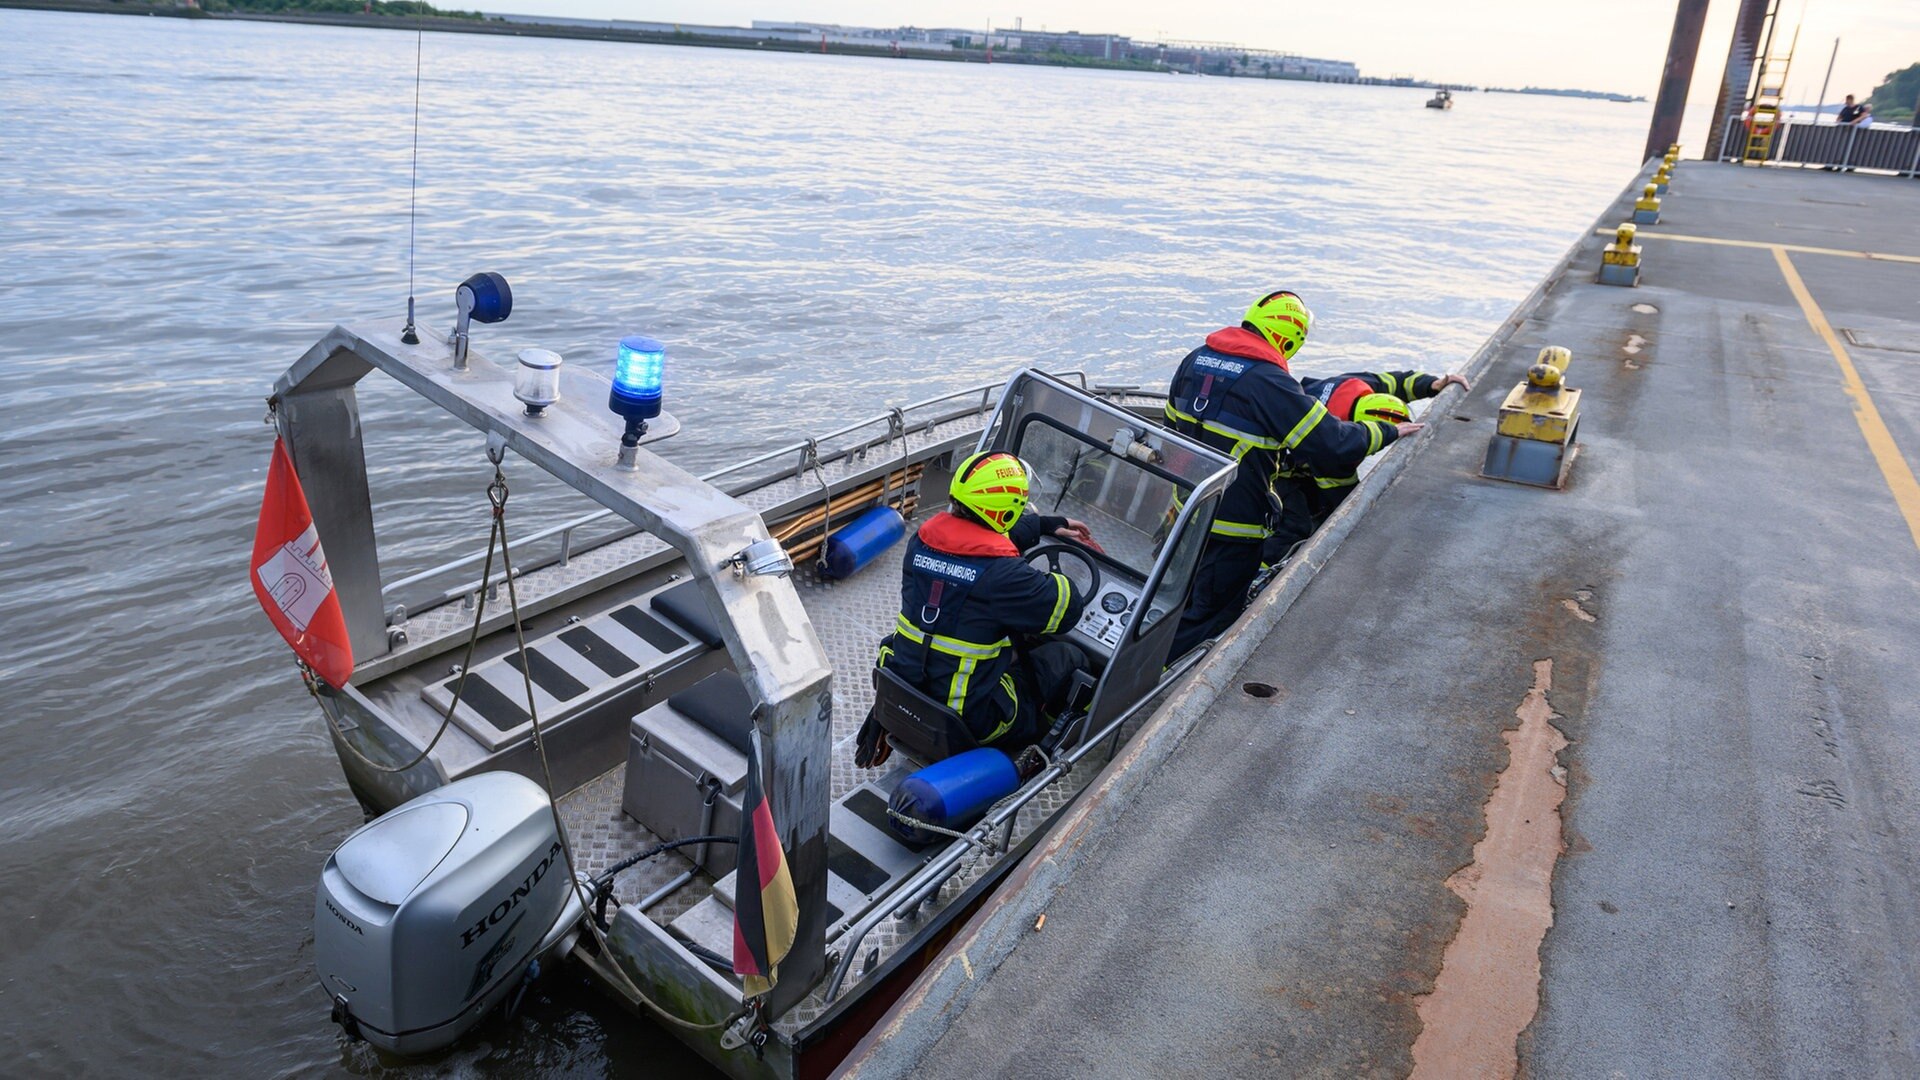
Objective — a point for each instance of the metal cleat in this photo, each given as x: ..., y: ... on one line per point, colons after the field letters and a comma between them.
x: 1620, y: 260
x: 1646, y: 209
x: 1662, y: 178
x: 1534, y: 442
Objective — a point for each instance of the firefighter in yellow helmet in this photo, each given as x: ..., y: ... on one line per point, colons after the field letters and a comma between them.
x: 968, y: 598
x: 1238, y: 394
x: 1363, y: 397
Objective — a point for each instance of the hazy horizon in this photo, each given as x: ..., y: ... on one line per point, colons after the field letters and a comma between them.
x: 1614, y: 46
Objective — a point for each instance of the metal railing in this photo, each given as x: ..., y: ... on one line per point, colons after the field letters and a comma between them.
x: 931, y: 878
x: 1842, y: 146
x: 899, y: 423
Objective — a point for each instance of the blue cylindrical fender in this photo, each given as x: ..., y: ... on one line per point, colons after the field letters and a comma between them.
x: 862, y: 539
x: 954, y: 793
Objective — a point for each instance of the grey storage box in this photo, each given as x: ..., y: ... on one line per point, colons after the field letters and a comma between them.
x: 693, y: 743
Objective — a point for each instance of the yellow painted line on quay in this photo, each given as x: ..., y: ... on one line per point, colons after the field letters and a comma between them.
x: 1906, y: 492
x: 1798, y: 249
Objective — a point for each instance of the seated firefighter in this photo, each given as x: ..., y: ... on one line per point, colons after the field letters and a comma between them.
x: 967, y: 597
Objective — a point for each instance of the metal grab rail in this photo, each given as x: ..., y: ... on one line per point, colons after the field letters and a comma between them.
x: 1797, y: 142
x: 933, y: 876
x: 801, y: 449
x: 566, y: 529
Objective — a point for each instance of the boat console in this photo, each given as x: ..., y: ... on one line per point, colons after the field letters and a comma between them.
x: 1112, y: 589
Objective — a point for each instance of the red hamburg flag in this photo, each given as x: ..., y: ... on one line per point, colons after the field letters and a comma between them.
x: 766, y: 912
x: 290, y: 576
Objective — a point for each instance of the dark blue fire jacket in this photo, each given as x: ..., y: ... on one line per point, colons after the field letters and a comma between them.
x: 965, y: 593
x: 1236, y: 394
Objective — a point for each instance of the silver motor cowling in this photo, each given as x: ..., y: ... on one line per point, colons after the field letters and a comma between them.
x: 429, y: 915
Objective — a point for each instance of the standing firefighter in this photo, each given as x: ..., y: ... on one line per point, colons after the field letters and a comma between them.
x: 966, y: 597
x: 1236, y: 393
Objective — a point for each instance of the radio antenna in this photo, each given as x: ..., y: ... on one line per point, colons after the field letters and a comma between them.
x: 409, y: 335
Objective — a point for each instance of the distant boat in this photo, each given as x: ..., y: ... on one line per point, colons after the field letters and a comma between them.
x: 1441, y: 99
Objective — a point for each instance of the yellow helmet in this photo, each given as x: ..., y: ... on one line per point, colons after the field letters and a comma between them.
x: 1283, y: 319
x: 994, y: 486
x: 1381, y: 407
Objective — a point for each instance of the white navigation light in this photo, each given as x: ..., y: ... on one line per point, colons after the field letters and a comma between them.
x: 536, y: 382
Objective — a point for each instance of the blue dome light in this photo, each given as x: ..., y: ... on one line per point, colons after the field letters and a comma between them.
x: 639, y: 369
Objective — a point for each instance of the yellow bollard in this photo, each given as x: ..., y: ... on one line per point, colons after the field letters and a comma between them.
x: 1620, y: 260
x: 1534, y: 442
x: 1646, y: 209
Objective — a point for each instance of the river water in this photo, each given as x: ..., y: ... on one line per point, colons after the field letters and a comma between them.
x: 186, y: 206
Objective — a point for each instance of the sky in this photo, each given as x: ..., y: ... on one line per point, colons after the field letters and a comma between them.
x: 1616, y: 45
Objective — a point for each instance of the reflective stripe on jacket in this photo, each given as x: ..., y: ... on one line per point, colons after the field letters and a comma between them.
x: 964, y: 594
x: 1235, y: 394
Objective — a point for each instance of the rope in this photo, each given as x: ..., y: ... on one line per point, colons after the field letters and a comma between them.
x: 928, y: 826
x: 605, y: 880
x: 497, y: 536
x: 896, y: 427
x: 812, y: 453
x: 497, y: 494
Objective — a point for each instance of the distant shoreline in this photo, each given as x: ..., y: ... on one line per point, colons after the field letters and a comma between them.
x: 580, y: 33
x: 451, y: 25
x: 586, y: 33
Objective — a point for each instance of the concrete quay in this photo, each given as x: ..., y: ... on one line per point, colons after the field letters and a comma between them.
x: 1619, y: 780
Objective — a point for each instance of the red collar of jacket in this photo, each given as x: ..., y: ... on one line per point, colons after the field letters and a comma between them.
x: 956, y: 536
x: 1242, y: 342
x: 1340, y: 402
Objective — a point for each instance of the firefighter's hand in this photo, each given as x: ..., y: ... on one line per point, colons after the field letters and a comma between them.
x: 1408, y: 429
x: 1445, y: 381
x: 1078, y: 532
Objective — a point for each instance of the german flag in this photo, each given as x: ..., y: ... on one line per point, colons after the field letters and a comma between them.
x: 766, y: 912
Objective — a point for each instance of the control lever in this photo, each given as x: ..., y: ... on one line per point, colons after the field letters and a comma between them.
x: 1079, y: 702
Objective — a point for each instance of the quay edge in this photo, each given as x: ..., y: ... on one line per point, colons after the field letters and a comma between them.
x: 931, y: 1006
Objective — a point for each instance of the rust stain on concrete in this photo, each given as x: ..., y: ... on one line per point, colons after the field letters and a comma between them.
x: 1489, y: 983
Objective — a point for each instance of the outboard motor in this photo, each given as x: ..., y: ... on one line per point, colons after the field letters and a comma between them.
x: 431, y: 914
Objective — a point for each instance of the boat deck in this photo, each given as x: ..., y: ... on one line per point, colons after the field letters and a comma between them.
x: 1705, y: 646
x: 850, y: 617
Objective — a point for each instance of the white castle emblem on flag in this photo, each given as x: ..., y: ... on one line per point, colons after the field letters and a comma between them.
x: 296, y: 578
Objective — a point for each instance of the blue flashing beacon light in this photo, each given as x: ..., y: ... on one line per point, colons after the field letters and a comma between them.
x: 639, y: 369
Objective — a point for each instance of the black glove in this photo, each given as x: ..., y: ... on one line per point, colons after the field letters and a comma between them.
x: 871, y: 748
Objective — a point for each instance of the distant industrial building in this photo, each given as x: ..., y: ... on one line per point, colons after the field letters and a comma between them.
x: 1207, y: 57
x: 1073, y: 43
x: 1225, y: 58
x: 903, y: 38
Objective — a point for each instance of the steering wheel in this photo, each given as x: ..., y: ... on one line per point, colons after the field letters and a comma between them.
x: 1075, y: 565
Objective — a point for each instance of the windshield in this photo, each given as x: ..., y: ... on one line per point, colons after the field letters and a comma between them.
x: 1127, y: 506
